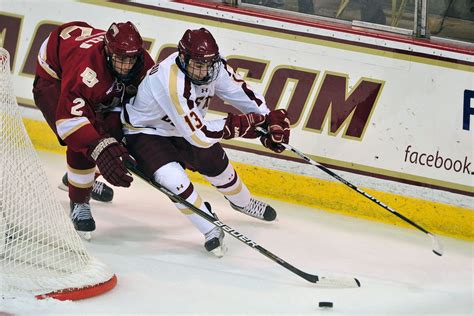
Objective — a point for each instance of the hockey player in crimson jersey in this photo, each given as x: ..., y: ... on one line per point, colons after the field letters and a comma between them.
x: 166, y: 129
x: 83, y: 76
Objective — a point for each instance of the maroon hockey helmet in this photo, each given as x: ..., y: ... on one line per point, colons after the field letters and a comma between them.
x: 123, y: 39
x: 200, y: 47
x: 124, y: 48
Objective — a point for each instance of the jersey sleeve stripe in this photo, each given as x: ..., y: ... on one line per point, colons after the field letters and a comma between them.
x: 200, y: 142
x: 250, y: 94
x: 145, y: 130
x: 173, y: 88
x: 42, y: 60
x: 68, y: 126
x: 247, y: 91
x: 187, y: 93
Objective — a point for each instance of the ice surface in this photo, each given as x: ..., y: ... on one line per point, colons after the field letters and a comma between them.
x: 163, y: 268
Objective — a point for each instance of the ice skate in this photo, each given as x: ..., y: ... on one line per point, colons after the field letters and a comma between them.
x: 257, y: 209
x: 82, y: 219
x: 100, y: 191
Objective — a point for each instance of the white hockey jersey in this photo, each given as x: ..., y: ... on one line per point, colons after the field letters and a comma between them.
x: 169, y: 104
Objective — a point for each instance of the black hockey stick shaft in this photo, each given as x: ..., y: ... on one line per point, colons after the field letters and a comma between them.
x: 437, y: 247
x: 325, y: 281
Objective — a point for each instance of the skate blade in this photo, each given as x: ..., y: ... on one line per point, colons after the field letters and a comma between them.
x: 220, y: 251
x: 87, y: 236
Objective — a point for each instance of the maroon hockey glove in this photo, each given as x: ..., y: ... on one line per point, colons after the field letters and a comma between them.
x: 242, y: 125
x: 278, y: 130
x: 109, y: 155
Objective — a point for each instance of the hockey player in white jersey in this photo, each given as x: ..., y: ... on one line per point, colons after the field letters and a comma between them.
x: 166, y: 130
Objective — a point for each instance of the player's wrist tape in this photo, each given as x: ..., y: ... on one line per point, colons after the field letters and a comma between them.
x: 101, y: 146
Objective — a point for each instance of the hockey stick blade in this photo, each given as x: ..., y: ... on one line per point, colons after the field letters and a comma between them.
x: 437, y: 248
x: 330, y: 282
x: 333, y: 282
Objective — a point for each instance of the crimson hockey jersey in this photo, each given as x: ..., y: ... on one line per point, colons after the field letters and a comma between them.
x: 74, y: 54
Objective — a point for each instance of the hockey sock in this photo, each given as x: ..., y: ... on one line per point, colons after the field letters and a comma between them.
x: 229, y: 184
x: 80, y: 184
x: 173, y: 177
x: 200, y: 223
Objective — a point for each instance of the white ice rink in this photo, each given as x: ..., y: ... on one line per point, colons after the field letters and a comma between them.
x: 163, y: 268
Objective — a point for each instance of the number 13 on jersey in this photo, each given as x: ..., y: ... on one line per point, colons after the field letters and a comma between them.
x: 193, y: 121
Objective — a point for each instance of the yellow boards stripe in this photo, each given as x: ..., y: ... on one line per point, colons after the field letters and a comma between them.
x: 439, y: 218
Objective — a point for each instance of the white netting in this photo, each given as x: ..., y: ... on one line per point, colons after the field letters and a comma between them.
x: 40, y: 252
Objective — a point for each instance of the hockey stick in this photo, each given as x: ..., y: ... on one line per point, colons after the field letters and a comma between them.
x: 436, y: 245
x: 333, y: 282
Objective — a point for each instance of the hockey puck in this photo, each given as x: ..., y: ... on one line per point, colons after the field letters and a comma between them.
x: 325, y: 304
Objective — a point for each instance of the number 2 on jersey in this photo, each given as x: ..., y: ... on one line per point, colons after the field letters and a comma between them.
x: 78, y: 103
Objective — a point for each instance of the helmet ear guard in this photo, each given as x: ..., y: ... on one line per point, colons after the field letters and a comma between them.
x: 201, y: 47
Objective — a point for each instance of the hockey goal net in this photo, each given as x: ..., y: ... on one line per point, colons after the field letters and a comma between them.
x: 40, y: 252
